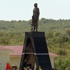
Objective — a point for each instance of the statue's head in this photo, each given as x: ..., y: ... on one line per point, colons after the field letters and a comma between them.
x: 35, y: 5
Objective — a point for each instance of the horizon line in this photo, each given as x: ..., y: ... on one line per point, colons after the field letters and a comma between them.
x: 30, y: 19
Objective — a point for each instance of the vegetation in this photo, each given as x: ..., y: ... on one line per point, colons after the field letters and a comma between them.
x: 57, y: 34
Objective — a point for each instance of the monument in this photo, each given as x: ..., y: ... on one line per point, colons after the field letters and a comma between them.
x: 35, y: 54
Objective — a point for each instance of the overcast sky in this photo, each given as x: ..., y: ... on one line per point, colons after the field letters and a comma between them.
x: 22, y: 9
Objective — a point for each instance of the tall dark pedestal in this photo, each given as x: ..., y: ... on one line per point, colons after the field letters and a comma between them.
x: 35, y: 52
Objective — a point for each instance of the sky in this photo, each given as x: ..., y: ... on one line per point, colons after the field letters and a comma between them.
x: 23, y: 9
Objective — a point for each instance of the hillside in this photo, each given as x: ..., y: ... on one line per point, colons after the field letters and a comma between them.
x: 57, y: 34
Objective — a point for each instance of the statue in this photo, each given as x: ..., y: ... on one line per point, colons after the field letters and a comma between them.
x: 35, y: 18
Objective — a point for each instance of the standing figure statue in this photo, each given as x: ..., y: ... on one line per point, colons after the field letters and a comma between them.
x: 35, y: 17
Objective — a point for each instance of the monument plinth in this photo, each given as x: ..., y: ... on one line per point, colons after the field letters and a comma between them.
x: 35, y: 52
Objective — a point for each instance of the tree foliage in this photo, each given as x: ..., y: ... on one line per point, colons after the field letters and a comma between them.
x: 57, y: 34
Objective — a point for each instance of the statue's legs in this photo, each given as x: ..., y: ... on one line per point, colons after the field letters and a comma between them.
x: 34, y: 26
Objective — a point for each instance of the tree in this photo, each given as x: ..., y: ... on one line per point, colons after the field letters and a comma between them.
x: 68, y: 32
